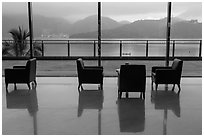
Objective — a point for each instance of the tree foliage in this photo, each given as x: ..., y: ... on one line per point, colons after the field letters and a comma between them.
x: 19, y: 46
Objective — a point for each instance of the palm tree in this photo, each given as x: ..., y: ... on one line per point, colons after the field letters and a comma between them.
x: 19, y: 46
x: 37, y: 48
x: 6, y: 48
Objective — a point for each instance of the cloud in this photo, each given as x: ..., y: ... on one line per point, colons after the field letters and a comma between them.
x: 190, y: 10
x: 78, y: 10
x: 127, y: 8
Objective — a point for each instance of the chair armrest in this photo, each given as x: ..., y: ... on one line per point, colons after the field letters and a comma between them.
x: 15, y: 70
x: 19, y: 66
x: 165, y: 73
x: 15, y: 73
x: 93, y: 67
x: 154, y: 68
x: 93, y: 71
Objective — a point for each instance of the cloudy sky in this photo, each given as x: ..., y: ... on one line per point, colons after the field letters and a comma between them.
x: 119, y: 11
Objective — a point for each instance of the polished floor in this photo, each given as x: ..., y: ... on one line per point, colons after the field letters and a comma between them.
x: 56, y: 107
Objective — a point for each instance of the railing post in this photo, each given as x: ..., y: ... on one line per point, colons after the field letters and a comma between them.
x: 42, y: 48
x: 68, y: 48
x: 121, y: 48
x: 200, y: 49
x: 173, y: 50
x: 147, y: 45
x: 94, y: 48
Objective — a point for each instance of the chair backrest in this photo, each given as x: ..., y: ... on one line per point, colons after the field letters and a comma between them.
x: 177, y: 65
x: 80, y: 65
x: 31, y: 68
x: 132, y: 76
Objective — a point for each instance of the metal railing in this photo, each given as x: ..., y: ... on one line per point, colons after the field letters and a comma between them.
x: 115, y: 49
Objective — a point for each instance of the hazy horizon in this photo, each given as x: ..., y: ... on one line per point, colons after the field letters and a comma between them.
x: 119, y: 11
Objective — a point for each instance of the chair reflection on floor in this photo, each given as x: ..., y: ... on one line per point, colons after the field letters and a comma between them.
x: 131, y: 114
x: 91, y: 99
x: 24, y: 99
x: 166, y: 100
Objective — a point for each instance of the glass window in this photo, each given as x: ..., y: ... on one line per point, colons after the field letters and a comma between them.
x: 14, y: 14
x: 62, y: 21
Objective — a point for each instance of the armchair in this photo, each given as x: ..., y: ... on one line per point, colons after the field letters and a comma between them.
x: 21, y: 74
x: 168, y: 75
x: 89, y: 74
x: 132, y: 78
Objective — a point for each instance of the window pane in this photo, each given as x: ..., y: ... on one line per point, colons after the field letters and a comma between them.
x: 14, y: 14
x: 134, y: 21
x: 59, y: 22
x: 187, y: 25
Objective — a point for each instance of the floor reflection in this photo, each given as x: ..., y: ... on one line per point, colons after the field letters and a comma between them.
x: 59, y: 109
x: 24, y: 99
x: 131, y: 113
x: 91, y: 99
x: 166, y: 100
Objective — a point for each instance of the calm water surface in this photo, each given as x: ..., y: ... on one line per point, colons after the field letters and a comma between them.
x: 112, y: 48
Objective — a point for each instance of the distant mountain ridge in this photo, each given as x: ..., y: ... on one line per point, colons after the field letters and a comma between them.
x: 150, y: 29
x: 90, y: 24
x: 87, y: 27
x: 49, y: 25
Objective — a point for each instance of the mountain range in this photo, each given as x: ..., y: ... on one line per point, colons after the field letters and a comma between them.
x: 87, y: 27
x: 150, y: 29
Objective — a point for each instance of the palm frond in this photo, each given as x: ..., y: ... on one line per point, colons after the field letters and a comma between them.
x: 7, y: 49
x: 15, y: 34
x: 20, y: 33
x: 19, y: 36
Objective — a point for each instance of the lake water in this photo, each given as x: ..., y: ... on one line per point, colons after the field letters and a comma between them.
x: 112, y: 48
x: 130, y: 47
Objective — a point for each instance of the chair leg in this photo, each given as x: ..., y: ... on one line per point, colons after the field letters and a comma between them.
x: 82, y: 87
x: 156, y: 86
x: 173, y: 87
x: 101, y: 86
x: 35, y: 83
x: 7, y: 87
x: 120, y: 94
x: 15, y: 87
x: 28, y: 85
x: 79, y: 87
x: 179, y: 88
x: 126, y: 95
x: 143, y: 95
x: 152, y: 83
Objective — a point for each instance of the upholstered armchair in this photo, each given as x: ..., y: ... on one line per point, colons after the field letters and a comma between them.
x: 89, y: 74
x: 132, y: 78
x: 168, y: 75
x: 21, y: 74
